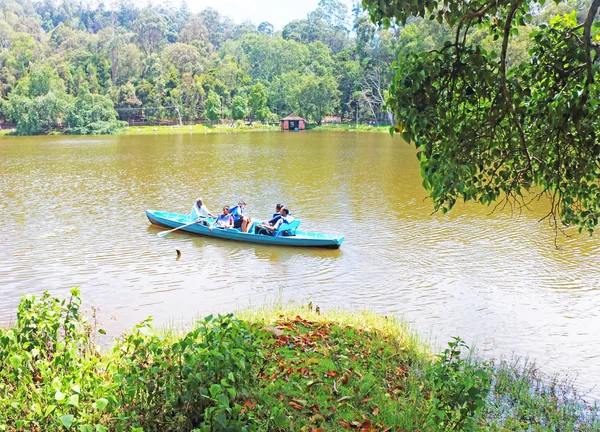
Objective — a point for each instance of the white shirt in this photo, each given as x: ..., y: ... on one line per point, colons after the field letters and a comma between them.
x: 198, y: 212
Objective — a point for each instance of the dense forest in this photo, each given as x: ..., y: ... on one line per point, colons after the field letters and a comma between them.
x: 84, y: 65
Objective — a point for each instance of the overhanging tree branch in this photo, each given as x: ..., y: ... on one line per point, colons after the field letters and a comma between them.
x: 587, y: 33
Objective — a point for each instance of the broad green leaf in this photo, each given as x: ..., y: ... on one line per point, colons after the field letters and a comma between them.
x: 49, y: 410
x: 101, y: 404
x: 67, y: 420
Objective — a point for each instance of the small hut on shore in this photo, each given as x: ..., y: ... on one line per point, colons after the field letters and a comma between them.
x: 293, y: 122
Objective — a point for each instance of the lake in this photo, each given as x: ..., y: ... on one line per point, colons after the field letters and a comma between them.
x: 72, y: 214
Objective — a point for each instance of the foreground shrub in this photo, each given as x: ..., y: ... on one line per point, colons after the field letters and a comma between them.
x: 195, y: 382
x: 51, y: 375
x: 283, y: 372
x: 53, y: 378
x: 460, y: 388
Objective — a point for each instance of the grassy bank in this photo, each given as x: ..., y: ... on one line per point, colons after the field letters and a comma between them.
x: 169, y: 130
x: 288, y: 369
x: 352, y: 127
x: 195, y: 129
x: 205, y: 129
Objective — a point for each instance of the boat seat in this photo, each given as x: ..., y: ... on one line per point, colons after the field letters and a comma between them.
x: 285, y: 230
x: 288, y: 229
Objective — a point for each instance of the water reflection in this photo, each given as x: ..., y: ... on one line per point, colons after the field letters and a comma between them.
x: 73, y: 214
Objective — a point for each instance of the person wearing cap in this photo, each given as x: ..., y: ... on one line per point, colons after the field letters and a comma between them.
x: 240, y: 218
x: 199, y: 211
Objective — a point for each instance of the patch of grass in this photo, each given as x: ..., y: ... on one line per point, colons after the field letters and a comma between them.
x: 195, y: 129
x: 333, y: 376
x: 352, y: 127
x: 524, y: 399
x: 353, y: 371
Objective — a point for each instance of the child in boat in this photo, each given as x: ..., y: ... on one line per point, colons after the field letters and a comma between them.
x: 224, y: 220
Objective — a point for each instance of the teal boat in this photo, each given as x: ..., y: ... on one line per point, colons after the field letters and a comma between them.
x: 287, y: 235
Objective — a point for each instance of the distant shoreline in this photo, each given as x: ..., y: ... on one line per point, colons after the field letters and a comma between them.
x: 220, y: 128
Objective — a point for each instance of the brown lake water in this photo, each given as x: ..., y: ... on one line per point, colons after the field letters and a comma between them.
x: 72, y: 214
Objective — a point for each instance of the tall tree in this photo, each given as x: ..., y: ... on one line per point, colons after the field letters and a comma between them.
x: 319, y: 97
x: 194, y: 32
x: 266, y: 27
x: 213, y: 106
x: 219, y: 27
x: 239, y: 108
x: 257, y: 102
x: 151, y: 29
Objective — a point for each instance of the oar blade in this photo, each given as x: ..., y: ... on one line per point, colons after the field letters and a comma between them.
x: 163, y: 233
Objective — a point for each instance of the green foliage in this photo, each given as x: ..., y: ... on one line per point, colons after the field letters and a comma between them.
x: 151, y: 29
x: 51, y: 375
x: 459, y: 388
x: 159, y: 62
x: 194, y: 383
x: 318, y: 97
x: 257, y: 102
x: 37, y: 115
x: 93, y: 114
x: 489, y: 132
x: 279, y: 372
x: 213, y: 106
x: 239, y: 108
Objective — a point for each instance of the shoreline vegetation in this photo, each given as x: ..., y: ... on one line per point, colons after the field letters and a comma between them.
x: 276, y: 368
x: 222, y: 128
x: 353, y: 127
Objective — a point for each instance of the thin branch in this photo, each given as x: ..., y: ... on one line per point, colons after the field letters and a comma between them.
x: 587, y: 34
x: 503, y: 83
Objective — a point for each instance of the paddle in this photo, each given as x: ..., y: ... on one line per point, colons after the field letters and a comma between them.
x: 164, y: 233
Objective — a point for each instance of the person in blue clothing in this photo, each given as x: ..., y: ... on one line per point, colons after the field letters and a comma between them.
x: 276, y: 215
x: 285, y: 218
x: 240, y: 218
x: 224, y: 220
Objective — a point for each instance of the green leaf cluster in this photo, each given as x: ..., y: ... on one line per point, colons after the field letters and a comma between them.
x: 51, y: 376
x: 460, y: 388
x: 489, y: 128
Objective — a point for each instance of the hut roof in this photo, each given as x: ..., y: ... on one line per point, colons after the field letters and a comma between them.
x: 292, y: 117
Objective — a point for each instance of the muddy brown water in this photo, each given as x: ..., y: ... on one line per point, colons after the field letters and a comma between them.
x: 72, y: 214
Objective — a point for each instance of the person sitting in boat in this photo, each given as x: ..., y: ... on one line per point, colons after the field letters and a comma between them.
x: 240, y: 218
x: 285, y: 218
x: 199, y: 211
x: 276, y: 215
x: 224, y: 220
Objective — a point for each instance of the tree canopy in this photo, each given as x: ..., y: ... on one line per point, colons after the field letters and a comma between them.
x: 154, y: 62
x: 507, y: 109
